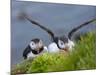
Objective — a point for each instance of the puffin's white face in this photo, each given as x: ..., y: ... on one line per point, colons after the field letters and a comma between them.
x: 32, y: 45
x: 67, y: 45
x: 61, y: 44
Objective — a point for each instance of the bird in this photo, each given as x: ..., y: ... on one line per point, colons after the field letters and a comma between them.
x: 60, y: 42
x: 34, y: 48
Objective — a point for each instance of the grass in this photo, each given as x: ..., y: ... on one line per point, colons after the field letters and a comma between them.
x: 83, y: 57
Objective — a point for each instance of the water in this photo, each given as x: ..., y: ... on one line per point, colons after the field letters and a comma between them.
x: 60, y: 18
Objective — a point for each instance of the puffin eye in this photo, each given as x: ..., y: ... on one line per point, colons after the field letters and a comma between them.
x: 62, y: 43
x: 32, y: 43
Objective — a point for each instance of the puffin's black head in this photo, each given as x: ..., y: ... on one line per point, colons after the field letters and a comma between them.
x: 36, y: 44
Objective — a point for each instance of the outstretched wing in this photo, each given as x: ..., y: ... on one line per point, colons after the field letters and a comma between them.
x: 80, y: 26
x: 42, y: 27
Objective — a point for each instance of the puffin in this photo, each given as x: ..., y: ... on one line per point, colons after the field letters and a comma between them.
x: 34, y: 49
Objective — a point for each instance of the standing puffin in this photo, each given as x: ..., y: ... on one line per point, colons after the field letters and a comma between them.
x: 61, y: 42
x: 34, y: 48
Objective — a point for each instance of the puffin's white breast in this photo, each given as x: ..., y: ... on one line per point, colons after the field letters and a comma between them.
x: 53, y: 48
x: 31, y: 55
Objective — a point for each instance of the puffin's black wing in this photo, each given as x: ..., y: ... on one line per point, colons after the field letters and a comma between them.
x: 80, y: 26
x: 26, y: 51
x: 42, y: 27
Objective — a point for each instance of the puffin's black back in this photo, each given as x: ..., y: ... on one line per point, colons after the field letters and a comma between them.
x: 26, y: 51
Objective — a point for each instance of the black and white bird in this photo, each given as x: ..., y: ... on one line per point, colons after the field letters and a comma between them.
x: 62, y: 42
x: 34, y: 48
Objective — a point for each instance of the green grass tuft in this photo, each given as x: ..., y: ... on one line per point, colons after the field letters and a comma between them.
x: 83, y: 57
